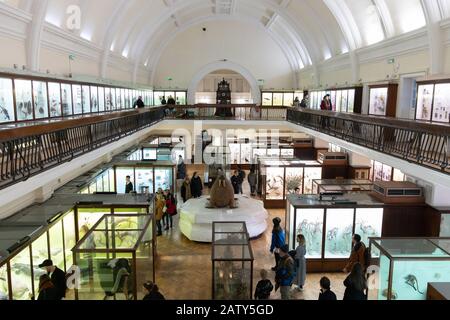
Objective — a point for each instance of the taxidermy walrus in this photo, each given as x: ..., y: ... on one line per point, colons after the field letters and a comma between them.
x: 222, y: 194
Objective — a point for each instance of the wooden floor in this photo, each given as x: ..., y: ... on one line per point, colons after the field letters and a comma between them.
x: 184, y: 268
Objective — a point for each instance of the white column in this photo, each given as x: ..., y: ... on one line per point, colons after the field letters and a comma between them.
x: 34, y: 34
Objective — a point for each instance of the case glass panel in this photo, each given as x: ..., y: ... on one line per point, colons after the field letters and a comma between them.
x: 21, y: 280
x: 163, y: 178
x: 339, y: 233
x: 121, y: 175
x: 378, y: 282
x: 86, y: 99
x: 144, y: 180
x: 287, y: 153
x: 288, y: 99
x: 39, y: 250
x: 150, y: 154
x: 118, y: 103
x: 4, y: 287
x: 54, y: 96
x: 274, y: 183
x: 77, y: 102
x: 378, y: 101
x: 294, y: 179
x: 235, y: 152
x: 310, y: 175
x: 441, y: 105
x: 338, y: 100
x: 351, y: 101
x: 56, y: 245
x: 101, y: 99
x: 180, y: 98
x: 108, y: 99
x: 6, y: 101
x: 113, y: 99
x: 398, y: 175
x: 344, y: 101
x: 24, y: 104
x: 310, y: 224
x: 424, y: 102
x: 246, y: 153
x: 66, y: 99
x: 94, y: 99
x: 69, y: 237
x: 159, y: 95
x: 369, y: 223
x: 40, y: 99
x: 87, y: 218
x: 278, y: 99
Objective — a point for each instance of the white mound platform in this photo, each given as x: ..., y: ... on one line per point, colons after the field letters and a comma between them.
x: 196, y: 220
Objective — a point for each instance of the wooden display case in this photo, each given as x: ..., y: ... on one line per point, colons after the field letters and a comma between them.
x: 383, y: 100
x: 398, y: 192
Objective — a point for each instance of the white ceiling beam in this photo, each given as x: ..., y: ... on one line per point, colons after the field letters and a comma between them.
x: 272, y: 20
x: 433, y: 17
x: 386, y: 18
x: 34, y: 34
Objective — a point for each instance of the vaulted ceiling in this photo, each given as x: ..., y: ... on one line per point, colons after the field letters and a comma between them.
x: 308, y: 31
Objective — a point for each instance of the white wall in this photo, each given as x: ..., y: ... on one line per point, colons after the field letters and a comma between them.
x: 240, y: 42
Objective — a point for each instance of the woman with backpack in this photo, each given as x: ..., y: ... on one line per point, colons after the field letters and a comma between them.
x: 358, y: 255
x: 171, y: 209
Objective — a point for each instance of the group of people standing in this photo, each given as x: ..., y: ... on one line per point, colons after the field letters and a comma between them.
x: 290, y: 269
x: 238, y: 178
x: 165, y: 210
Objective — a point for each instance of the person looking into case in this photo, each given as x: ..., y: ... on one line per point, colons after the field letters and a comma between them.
x: 57, y: 276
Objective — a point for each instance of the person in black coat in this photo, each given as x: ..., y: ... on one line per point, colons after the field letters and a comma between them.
x: 47, y: 291
x: 181, y: 169
x: 264, y: 287
x: 325, y: 290
x: 236, y: 182
x: 128, y: 185
x: 152, y: 292
x: 57, y: 276
x: 139, y: 103
x: 196, y: 186
x: 355, y: 284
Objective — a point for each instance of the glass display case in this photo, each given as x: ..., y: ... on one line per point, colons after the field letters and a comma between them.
x: 274, y: 184
x: 404, y: 267
x: 232, y: 262
x: 378, y: 101
x: 77, y: 100
x: 94, y: 99
x: 101, y: 99
x: 277, y: 99
x: 425, y: 102
x: 328, y: 228
x: 66, y: 99
x: 40, y: 99
x: 54, y: 97
x: 267, y: 99
x: 341, y: 185
x: 116, y: 257
x: 39, y: 253
x: 21, y: 275
x: 342, y: 100
x: 24, y: 98
x: 4, y: 280
x: 180, y: 97
x: 86, y: 99
x: 6, y: 101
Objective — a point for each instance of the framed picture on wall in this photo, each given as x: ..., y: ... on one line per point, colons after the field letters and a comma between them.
x: 441, y: 106
x: 424, y: 102
x: 378, y: 101
x: 6, y: 101
x: 24, y: 99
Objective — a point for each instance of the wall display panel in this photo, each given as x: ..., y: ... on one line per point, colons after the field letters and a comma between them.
x: 294, y: 179
x: 144, y: 180
x: 277, y: 99
x: 163, y: 179
x: 378, y: 171
x: 274, y: 183
x: 333, y: 98
x: 287, y: 153
x: 77, y: 100
x: 54, y: 97
x: 310, y: 175
x: 94, y: 99
x: 344, y: 101
x: 40, y: 99
x: 246, y: 153
x: 339, y: 232
x: 369, y: 223
x: 150, y: 154
x: 424, y: 102
x: 288, y: 99
x: 159, y: 96
x: 235, y: 152
x: 113, y: 99
x: 6, y: 101
x: 267, y: 99
x: 86, y: 97
x: 101, y: 99
x: 118, y: 103
x: 123, y: 102
x: 24, y: 104
x: 21, y: 277
x: 39, y: 251
x: 351, y: 100
x: 57, y: 244
x: 310, y: 224
x: 272, y: 152
x: 337, y: 106
x: 378, y: 101
x: 180, y: 98
x: 398, y: 175
x: 441, y: 105
x: 66, y: 99
x: 121, y: 174
x: 108, y: 99
x: 4, y: 287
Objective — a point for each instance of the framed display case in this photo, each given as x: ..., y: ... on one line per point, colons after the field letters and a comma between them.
x: 66, y: 99
x: 341, y: 185
x: 116, y: 257
x: 232, y: 262
x: 94, y: 99
x: 280, y: 178
x: 405, y: 266
x: 348, y: 100
x: 40, y: 99
x: 433, y: 101
x: 383, y: 100
x: 328, y: 228
x: 24, y: 100
x: 7, y: 113
x: 280, y: 98
x: 54, y: 98
x: 86, y: 99
x: 77, y: 100
x: 382, y: 172
x: 180, y: 96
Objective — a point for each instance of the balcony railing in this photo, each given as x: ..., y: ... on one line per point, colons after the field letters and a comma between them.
x: 226, y: 112
x: 417, y: 142
x: 29, y: 150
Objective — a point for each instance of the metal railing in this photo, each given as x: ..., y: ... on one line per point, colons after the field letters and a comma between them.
x: 31, y: 150
x: 417, y: 142
x: 226, y: 112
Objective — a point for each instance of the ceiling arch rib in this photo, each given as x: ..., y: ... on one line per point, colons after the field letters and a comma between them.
x: 345, y: 20
x: 433, y: 16
x: 386, y: 18
x: 157, y: 48
x: 39, y: 10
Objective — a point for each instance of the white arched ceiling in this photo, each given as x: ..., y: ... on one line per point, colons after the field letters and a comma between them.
x: 309, y: 30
